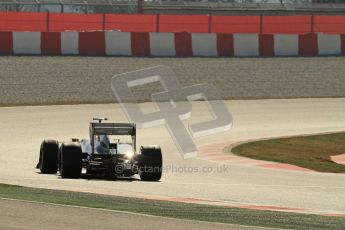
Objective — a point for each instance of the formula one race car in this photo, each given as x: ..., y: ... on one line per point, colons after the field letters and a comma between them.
x: 101, y: 156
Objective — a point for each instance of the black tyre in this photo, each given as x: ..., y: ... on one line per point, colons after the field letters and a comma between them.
x: 70, y: 160
x: 48, y: 162
x: 150, y: 163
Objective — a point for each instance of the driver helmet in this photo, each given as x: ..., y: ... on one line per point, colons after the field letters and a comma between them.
x: 104, y: 141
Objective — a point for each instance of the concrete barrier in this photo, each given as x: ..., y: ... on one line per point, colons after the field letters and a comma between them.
x: 69, y: 43
x: 162, y: 44
x: 116, y: 43
x: 286, y: 44
x: 26, y: 43
x: 204, y: 45
x: 246, y: 45
x: 329, y: 44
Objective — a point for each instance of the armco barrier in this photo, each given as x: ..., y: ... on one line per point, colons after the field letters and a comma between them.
x: 115, y: 43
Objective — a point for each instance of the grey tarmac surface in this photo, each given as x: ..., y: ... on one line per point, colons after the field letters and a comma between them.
x: 19, y: 215
x: 23, y: 129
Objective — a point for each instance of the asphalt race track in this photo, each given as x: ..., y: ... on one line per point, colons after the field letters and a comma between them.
x: 235, y: 184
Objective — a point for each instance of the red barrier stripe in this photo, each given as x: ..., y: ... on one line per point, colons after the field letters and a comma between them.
x: 225, y: 45
x: 308, y: 45
x: 92, y: 43
x: 183, y: 23
x: 235, y: 24
x: 328, y: 24
x: 75, y: 22
x: 51, y: 43
x: 131, y: 22
x: 342, y: 44
x: 266, y: 45
x: 183, y: 44
x: 6, y: 43
x: 297, y: 24
x: 140, y: 42
x: 22, y: 21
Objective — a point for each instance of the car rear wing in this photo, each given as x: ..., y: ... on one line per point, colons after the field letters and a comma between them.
x: 113, y: 129
x: 128, y: 129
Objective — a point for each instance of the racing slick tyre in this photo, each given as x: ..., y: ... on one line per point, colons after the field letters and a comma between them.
x: 150, y: 163
x: 70, y: 157
x: 48, y: 162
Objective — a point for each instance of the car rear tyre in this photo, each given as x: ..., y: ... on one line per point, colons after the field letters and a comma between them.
x: 70, y: 160
x: 48, y: 163
x: 150, y: 163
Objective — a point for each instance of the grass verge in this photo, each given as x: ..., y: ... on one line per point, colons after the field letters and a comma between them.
x: 175, y: 209
x: 312, y: 152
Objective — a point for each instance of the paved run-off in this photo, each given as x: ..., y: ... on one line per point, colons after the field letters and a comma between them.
x: 49, y: 80
x: 241, y: 184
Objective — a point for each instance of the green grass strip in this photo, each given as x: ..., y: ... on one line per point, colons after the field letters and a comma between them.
x: 312, y: 152
x: 175, y: 209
